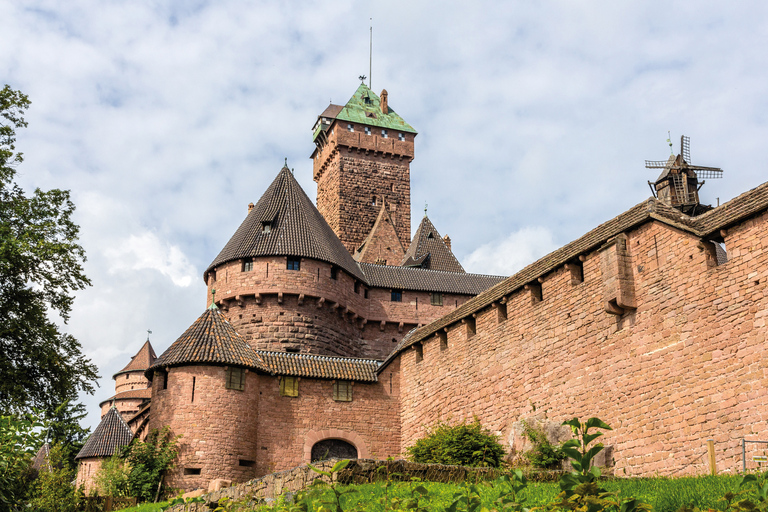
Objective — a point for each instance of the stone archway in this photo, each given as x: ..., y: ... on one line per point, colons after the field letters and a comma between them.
x: 314, y: 437
x: 333, y: 449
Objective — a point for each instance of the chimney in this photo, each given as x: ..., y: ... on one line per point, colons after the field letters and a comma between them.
x: 384, y: 103
x: 447, y: 241
x: 250, y: 207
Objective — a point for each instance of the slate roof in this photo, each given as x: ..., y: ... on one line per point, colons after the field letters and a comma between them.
x: 112, y: 433
x: 211, y: 339
x: 296, y: 229
x: 141, y: 361
x: 145, y: 393
x: 429, y: 250
x: 358, y: 111
x: 706, y: 225
x: 321, y: 367
x: 421, y: 279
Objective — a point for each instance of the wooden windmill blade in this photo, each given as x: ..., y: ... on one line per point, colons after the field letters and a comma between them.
x: 655, y: 164
x: 709, y: 173
x: 685, y: 148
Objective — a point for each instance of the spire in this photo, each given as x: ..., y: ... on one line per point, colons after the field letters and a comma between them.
x: 430, y: 250
x: 141, y: 361
x: 112, y: 433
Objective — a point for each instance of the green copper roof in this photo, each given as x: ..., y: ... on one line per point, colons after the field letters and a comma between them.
x: 358, y: 111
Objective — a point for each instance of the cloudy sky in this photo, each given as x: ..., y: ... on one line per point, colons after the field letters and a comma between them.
x: 165, y: 119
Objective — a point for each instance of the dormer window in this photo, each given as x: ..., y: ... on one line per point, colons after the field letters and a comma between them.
x: 371, y: 115
x: 430, y: 235
x: 350, y: 127
x: 384, y: 133
x: 266, y: 226
x: 367, y: 100
x: 401, y: 136
x: 367, y: 130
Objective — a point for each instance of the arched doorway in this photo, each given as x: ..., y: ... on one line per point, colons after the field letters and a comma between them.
x: 333, y: 449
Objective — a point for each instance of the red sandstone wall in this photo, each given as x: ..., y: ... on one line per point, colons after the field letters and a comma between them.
x: 86, y: 470
x: 308, y: 311
x: 218, y: 428
x: 688, y: 365
x: 288, y: 427
x: 126, y: 407
x: 131, y: 380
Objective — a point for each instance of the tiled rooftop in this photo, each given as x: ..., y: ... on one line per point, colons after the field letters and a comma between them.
x: 321, y: 367
x: 420, y: 279
x: 706, y: 225
x: 112, y: 433
x: 429, y: 250
x: 145, y: 393
x: 141, y: 361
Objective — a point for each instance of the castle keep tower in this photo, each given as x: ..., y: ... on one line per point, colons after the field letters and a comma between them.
x: 361, y: 162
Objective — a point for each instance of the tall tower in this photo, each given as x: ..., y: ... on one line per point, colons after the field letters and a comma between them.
x: 362, y: 160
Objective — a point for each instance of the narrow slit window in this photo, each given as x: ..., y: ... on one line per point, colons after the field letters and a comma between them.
x: 193, y: 389
x: 334, y: 273
x: 342, y: 391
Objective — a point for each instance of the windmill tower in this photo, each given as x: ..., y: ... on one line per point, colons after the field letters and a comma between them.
x: 679, y: 183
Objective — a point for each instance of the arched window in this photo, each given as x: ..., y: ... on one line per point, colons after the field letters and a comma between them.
x: 333, y: 449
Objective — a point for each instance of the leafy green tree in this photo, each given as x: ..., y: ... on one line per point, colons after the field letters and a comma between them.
x: 20, y: 437
x: 64, y: 429
x: 53, y: 490
x: 148, y: 461
x: 112, y: 477
x: 40, y: 268
x: 463, y: 444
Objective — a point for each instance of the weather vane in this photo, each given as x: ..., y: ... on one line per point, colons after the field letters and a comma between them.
x: 669, y: 141
x: 362, y: 78
x: 425, y: 209
x: 148, y: 333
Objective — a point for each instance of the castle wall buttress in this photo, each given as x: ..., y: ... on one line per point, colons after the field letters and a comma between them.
x: 685, y: 366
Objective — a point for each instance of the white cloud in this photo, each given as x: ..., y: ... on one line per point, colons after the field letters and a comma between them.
x: 147, y: 251
x: 512, y: 253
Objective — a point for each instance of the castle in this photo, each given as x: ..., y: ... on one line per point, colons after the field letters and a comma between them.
x: 330, y: 332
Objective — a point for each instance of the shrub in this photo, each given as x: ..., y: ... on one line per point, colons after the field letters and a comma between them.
x: 53, y: 490
x: 112, y: 477
x: 148, y: 462
x: 543, y: 455
x: 463, y: 444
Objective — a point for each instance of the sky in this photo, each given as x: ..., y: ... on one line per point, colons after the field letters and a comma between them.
x: 165, y: 119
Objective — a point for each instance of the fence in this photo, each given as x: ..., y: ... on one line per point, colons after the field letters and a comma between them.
x: 754, y: 454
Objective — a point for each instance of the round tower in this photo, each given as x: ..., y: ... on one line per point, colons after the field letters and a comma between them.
x: 131, y: 385
x: 204, y: 388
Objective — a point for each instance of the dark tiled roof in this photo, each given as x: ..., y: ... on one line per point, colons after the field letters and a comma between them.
x: 297, y: 229
x: 41, y: 458
x: 210, y: 339
x: 429, y: 250
x: 141, y: 361
x: 331, y: 111
x: 320, y: 367
x: 145, y: 393
x: 420, y: 279
x: 706, y: 225
x: 112, y: 433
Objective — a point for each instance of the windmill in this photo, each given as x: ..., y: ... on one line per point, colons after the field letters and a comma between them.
x: 678, y: 184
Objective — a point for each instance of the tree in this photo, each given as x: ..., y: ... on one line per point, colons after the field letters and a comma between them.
x: 40, y: 268
x: 20, y: 437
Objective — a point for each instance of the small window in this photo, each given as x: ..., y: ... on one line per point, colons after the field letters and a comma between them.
x: 236, y: 378
x: 342, y: 391
x: 289, y: 386
x: 419, y: 348
x: 397, y: 296
x: 334, y: 273
x: 246, y: 463
x: 266, y: 227
x: 576, y: 268
x: 436, y: 299
x: 247, y: 266
x: 367, y: 130
x: 365, y: 293
x: 350, y: 127
x: 357, y: 286
x: 192, y: 471
x: 293, y: 263
x: 373, y: 203
x: 163, y: 375
x: 401, y: 136
x: 384, y: 133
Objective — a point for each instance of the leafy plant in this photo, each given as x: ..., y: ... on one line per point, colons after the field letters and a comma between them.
x: 148, y: 461
x: 53, y: 490
x: 463, y: 444
x: 543, y: 454
x: 112, y: 477
x: 511, y: 486
x: 20, y: 437
x: 335, y: 502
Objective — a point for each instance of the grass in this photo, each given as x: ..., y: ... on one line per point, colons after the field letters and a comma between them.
x: 146, y: 507
x: 663, y: 494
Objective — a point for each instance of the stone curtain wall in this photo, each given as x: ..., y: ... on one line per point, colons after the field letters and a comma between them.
x: 277, y: 309
x: 689, y: 364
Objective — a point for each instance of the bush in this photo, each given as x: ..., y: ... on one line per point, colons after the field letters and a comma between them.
x: 148, y: 461
x: 112, y: 477
x: 53, y: 490
x: 463, y: 444
x: 543, y: 455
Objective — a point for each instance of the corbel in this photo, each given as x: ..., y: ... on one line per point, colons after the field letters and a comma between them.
x: 257, y: 296
x: 301, y: 299
x: 382, y: 324
x: 400, y: 327
x: 320, y: 302
x: 723, y: 233
x: 239, y: 300
x: 335, y: 306
x: 279, y: 297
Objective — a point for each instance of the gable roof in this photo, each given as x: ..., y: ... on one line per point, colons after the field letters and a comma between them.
x: 357, y: 110
x: 112, y: 433
x: 296, y: 229
x: 429, y: 250
x: 321, y: 367
x: 211, y: 339
x: 141, y: 361
x: 421, y: 279
x: 382, y: 242
x: 706, y: 225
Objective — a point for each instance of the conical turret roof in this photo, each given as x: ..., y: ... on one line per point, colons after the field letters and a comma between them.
x: 285, y: 222
x: 141, y: 361
x: 429, y: 250
x: 112, y: 433
x: 211, y: 339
